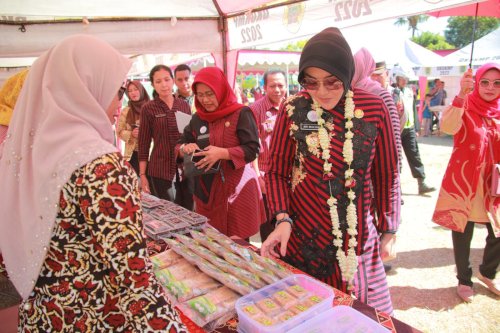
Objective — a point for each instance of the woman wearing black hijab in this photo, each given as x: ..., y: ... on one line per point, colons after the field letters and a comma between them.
x: 333, y: 147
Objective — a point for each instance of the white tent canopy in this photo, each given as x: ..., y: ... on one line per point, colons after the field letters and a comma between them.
x: 486, y: 49
x: 29, y: 27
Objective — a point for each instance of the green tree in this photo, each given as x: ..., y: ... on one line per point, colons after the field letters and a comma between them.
x: 432, y: 41
x: 459, y: 29
x: 412, y: 22
x: 295, y: 46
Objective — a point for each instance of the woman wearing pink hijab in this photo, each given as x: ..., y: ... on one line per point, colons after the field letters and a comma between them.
x: 70, y: 232
x: 465, y: 197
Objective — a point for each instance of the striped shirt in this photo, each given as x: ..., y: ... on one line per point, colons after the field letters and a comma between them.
x: 158, y: 125
x: 265, y: 115
x: 297, y: 185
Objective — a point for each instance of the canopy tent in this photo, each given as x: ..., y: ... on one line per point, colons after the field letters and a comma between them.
x: 486, y: 49
x: 29, y: 27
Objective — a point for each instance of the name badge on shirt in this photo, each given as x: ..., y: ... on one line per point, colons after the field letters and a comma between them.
x: 203, y: 136
x: 160, y: 115
x: 309, y: 127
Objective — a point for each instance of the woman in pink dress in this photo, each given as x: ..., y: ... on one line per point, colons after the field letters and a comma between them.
x: 226, y: 132
x: 465, y: 197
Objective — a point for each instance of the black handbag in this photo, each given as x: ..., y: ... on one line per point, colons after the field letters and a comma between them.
x: 190, y: 170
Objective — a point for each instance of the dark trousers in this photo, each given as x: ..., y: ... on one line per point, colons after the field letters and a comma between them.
x: 267, y: 227
x: 410, y: 147
x: 161, y: 188
x: 134, y: 161
x: 461, y: 251
x: 184, y: 192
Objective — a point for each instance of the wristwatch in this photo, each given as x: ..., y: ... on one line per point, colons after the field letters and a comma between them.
x: 285, y: 219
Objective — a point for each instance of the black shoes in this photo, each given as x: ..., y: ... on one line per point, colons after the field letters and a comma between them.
x: 423, y: 187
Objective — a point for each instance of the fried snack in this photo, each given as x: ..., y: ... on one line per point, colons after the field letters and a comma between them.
x: 265, y: 320
x: 298, y: 308
x: 297, y: 291
x: 252, y: 310
x: 268, y: 306
x: 284, y: 299
x: 284, y: 316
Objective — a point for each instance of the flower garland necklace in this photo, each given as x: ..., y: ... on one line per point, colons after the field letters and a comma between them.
x: 348, y: 263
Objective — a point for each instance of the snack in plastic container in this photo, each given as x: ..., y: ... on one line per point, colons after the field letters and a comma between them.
x: 297, y: 291
x: 284, y: 319
x: 268, y: 306
x: 284, y: 299
x: 284, y: 316
x: 265, y: 320
x: 343, y: 318
x: 252, y: 310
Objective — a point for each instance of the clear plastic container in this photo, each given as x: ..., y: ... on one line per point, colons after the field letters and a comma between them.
x: 310, y: 286
x: 340, y: 319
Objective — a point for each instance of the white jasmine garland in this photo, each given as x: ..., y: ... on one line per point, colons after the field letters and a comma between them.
x: 348, y: 263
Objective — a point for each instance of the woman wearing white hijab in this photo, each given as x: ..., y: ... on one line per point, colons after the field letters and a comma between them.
x: 70, y: 232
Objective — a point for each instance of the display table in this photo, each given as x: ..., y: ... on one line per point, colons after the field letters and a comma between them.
x: 341, y: 298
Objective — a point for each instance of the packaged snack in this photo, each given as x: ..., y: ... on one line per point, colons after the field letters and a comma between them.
x: 226, y: 279
x: 209, y: 307
x: 284, y: 299
x: 208, y: 242
x: 252, y: 310
x: 297, y: 291
x: 315, y: 299
x: 192, y: 287
x: 265, y: 320
x: 176, y: 272
x: 164, y: 259
x: 284, y: 316
x: 268, y: 306
x: 298, y: 308
x: 149, y: 201
x: 271, y: 265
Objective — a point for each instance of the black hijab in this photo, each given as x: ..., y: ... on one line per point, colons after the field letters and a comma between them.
x: 329, y: 51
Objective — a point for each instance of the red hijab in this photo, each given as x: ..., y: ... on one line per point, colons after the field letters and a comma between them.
x: 476, y: 103
x: 214, y: 78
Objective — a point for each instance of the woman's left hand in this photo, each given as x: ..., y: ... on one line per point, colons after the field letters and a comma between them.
x: 211, y: 155
x: 387, y: 247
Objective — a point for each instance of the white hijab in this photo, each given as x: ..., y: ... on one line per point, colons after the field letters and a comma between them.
x: 59, y: 124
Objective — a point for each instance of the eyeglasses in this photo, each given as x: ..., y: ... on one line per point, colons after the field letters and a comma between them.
x: 330, y: 83
x: 208, y: 94
x: 485, y: 83
x: 121, y: 92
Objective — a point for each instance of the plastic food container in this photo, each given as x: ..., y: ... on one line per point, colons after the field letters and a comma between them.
x: 340, y: 319
x: 284, y: 316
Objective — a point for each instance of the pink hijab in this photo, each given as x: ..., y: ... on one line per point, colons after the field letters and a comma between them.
x: 364, y: 65
x: 59, y: 125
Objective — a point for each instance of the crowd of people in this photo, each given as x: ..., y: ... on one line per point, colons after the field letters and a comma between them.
x: 317, y: 173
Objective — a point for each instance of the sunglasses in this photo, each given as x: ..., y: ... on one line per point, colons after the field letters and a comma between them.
x: 330, y: 83
x: 485, y: 83
x: 121, y: 92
